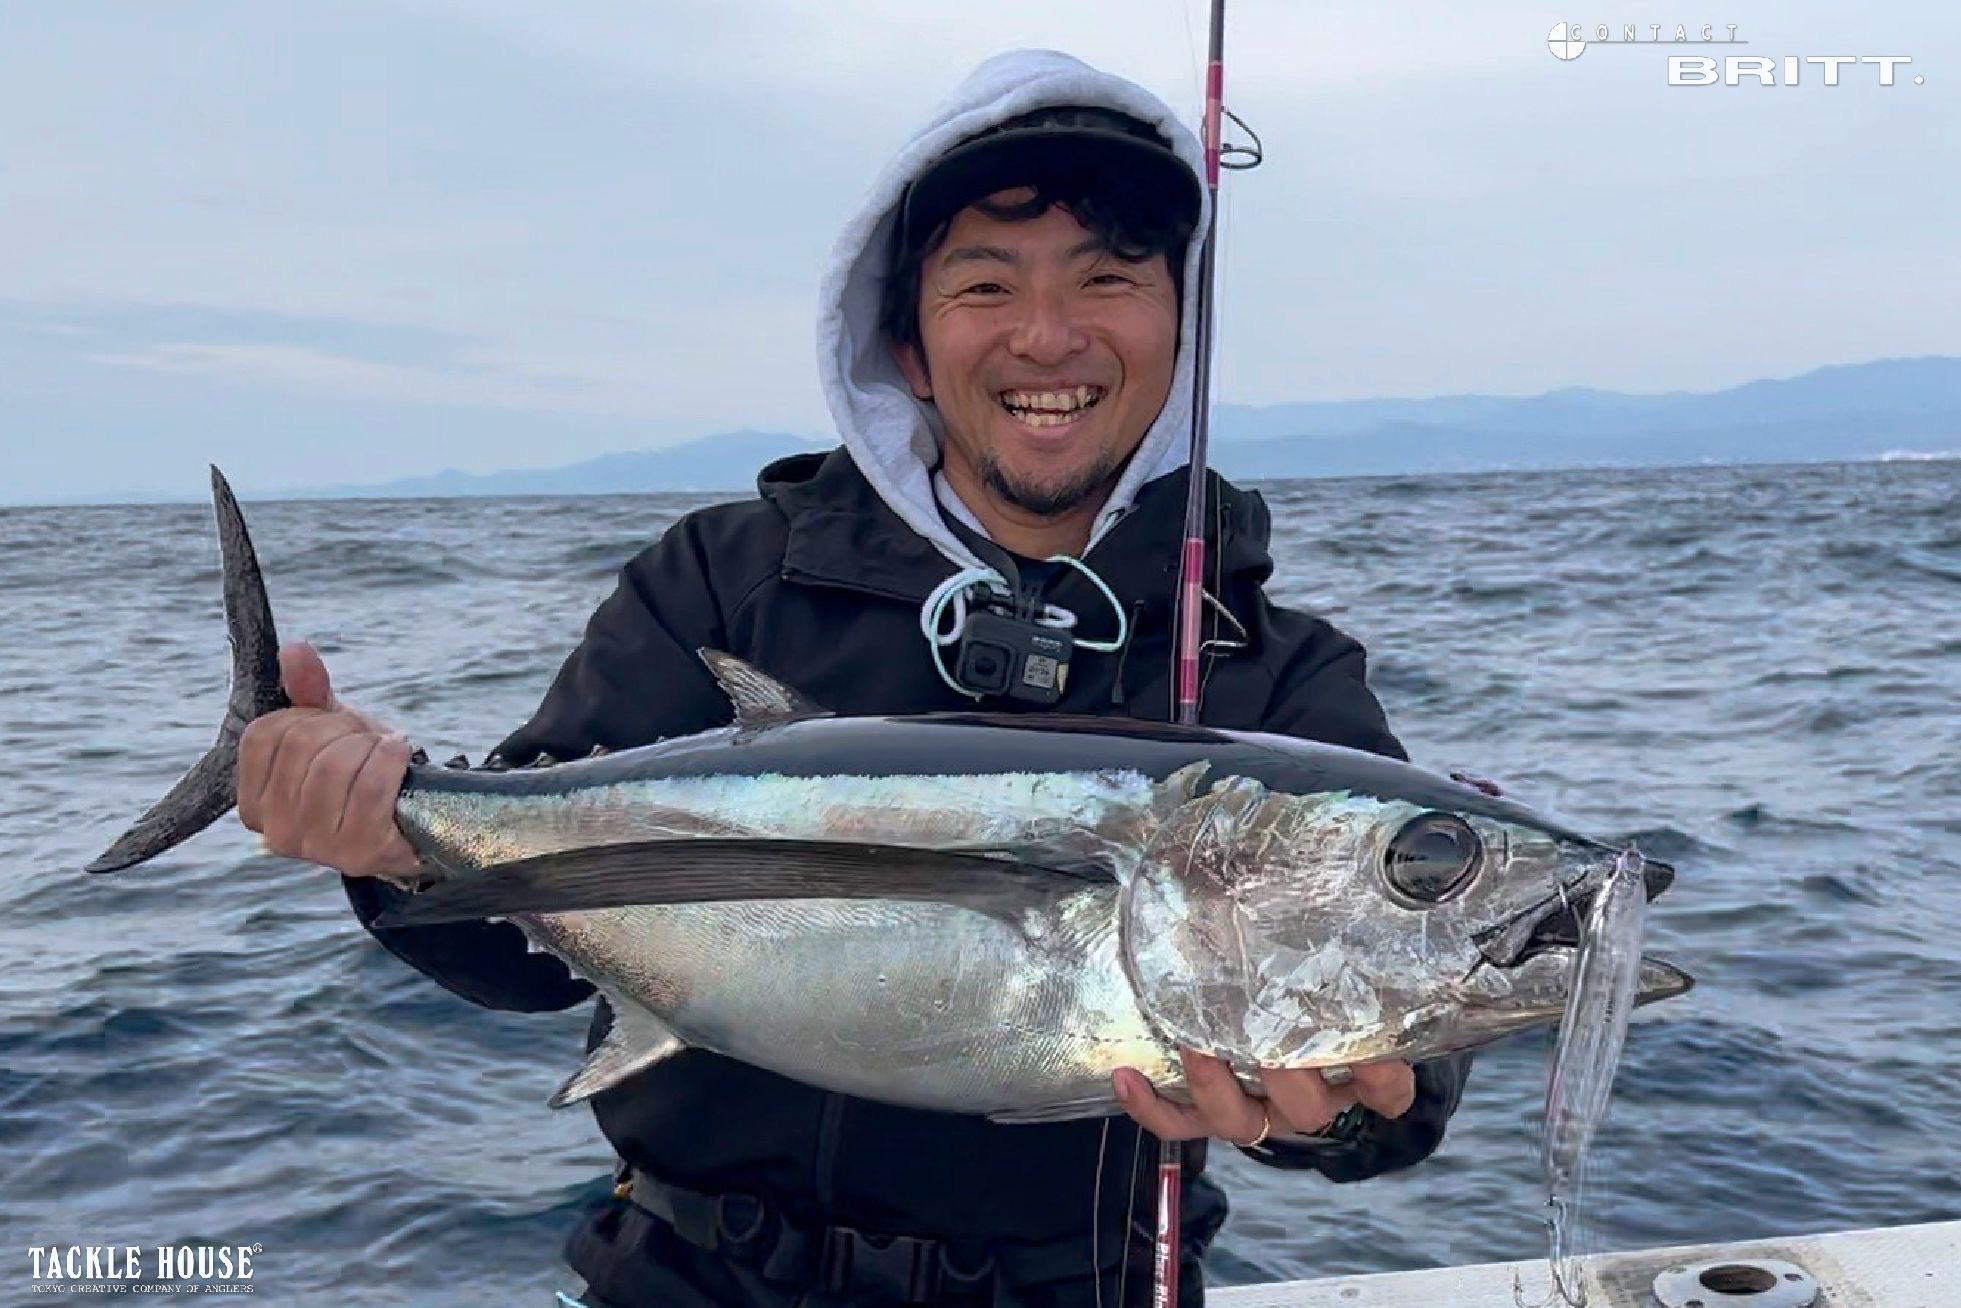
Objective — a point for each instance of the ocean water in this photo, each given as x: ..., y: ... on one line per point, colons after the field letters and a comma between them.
x: 1757, y: 672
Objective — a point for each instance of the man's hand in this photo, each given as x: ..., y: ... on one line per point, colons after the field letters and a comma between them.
x: 319, y: 780
x: 1299, y: 1102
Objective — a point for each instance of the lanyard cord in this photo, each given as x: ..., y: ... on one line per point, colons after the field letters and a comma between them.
x: 951, y: 595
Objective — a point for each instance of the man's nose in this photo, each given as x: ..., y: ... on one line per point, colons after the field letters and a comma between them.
x: 1047, y: 332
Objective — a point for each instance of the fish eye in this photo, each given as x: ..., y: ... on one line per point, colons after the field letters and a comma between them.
x: 1433, y: 856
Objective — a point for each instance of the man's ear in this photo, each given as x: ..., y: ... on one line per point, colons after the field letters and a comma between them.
x: 912, y: 364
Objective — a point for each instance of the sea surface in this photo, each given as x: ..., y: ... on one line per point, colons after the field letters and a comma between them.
x: 1754, y: 671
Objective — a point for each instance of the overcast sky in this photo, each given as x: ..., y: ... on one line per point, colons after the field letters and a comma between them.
x: 334, y: 243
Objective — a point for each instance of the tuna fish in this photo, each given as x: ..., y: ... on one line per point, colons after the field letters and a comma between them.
x: 979, y: 913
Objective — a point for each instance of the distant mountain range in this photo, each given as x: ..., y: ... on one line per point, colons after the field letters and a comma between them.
x: 729, y: 461
x: 1888, y: 408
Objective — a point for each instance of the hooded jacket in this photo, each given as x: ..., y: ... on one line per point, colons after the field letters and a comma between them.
x: 895, y: 438
x: 820, y: 581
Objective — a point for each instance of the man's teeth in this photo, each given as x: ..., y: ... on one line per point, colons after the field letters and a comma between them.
x: 1050, y: 408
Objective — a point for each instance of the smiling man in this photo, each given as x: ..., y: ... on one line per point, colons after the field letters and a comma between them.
x: 1005, y: 342
x: 1045, y: 347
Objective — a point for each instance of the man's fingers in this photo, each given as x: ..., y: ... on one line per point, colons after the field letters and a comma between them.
x: 1218, y: 1108
x: 320, y: 782
x: 1388, y: 1088
x: 1305, y: 1101
x: 1228, y: 1111
x: 326, y: 796
x: 1298, y: 1100
x: 325, y: 781
x: 292, y: 761
x: 371, y: 807
x: 258, y: 747
x: 255, y: 750
x: 372, y: 796
x: 304, y: 676
x: 1162, y: 1117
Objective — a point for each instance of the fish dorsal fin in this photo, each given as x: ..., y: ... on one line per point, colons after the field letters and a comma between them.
x: 761, y: 701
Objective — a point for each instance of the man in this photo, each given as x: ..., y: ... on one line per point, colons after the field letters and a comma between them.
x: 1005, y: 348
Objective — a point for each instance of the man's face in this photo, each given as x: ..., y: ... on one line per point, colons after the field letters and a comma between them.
x: 1047, y: 356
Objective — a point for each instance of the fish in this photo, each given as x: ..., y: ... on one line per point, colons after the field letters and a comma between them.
x: 975, y: 912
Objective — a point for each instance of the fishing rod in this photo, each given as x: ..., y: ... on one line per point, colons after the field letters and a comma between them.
x: 1191, y: 578
x: 1191, y: 584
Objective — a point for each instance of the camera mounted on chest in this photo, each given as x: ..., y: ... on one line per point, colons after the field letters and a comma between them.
x: 994, y: 637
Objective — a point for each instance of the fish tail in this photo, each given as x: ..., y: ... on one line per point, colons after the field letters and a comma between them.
x: 209, y: 790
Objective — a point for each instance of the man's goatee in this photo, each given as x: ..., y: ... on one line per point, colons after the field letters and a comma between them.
x: 1048, y: 501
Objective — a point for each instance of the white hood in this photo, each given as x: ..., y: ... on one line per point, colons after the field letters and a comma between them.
x: 894, y: 437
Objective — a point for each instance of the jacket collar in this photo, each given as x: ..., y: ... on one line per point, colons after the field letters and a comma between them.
x: 841, y: 533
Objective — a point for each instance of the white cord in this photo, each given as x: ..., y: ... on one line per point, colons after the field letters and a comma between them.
x: 952, y: 594
x: 1123, y: 621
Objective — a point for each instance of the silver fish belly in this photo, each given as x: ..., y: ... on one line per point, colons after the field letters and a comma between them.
x: 932, y: 1005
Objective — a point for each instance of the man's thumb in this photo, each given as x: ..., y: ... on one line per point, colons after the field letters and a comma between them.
x: 305, y: 676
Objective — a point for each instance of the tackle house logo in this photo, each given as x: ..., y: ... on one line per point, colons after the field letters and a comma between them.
x: 133, y: 1269
x: 1568, y: 41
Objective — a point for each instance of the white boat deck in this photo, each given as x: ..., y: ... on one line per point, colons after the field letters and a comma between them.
x: 1891, y: 1267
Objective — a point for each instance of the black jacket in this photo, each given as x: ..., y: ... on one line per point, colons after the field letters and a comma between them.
x: 818, y: 583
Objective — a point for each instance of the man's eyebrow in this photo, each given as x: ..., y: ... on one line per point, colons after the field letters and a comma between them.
x: 1096, y: 245
x: 980, y: 254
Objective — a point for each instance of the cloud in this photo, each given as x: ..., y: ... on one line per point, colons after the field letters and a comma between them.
x: 615, y: 214
x: 294, y: 364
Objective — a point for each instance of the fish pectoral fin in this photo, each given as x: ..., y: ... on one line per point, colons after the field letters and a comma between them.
x: 707, y: 871
x: 1059, y: 857
x: 761, y: 701
x: 636, y: 1041
x: 1068, y: 1110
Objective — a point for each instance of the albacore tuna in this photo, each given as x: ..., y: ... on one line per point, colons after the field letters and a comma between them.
x: 979, y: 913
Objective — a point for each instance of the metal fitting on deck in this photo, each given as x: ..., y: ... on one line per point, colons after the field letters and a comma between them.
x: 1736, y: 1283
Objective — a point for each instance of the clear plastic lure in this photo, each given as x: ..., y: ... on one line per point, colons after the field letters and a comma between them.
x: 1591, y: 1035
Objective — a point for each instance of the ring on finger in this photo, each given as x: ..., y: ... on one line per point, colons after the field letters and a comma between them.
x: 1266, y: 1127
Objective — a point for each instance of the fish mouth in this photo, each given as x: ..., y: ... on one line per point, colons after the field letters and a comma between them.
x: 1539, y: 951
x: 1554, y: 922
